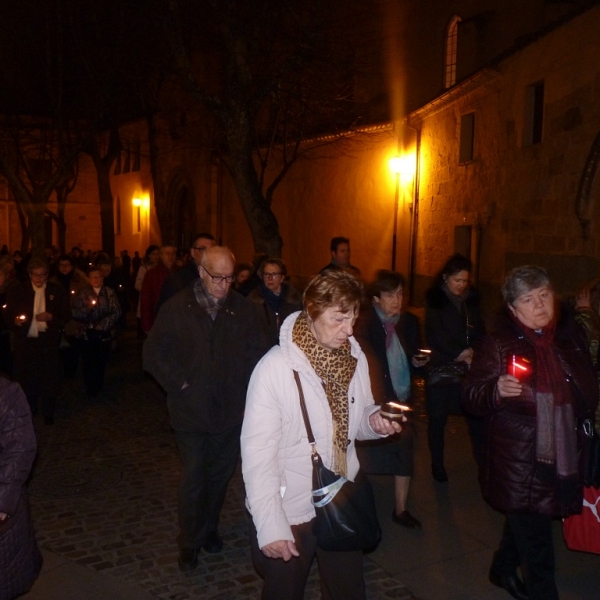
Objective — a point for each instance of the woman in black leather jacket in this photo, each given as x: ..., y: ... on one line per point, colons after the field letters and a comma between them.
x: 452, y: 325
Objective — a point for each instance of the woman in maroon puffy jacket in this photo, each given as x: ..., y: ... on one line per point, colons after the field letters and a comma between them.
x: 20, y: 559
x: 533, y: 382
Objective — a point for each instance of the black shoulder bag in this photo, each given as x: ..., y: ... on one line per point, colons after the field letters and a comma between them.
x: 346, y: 514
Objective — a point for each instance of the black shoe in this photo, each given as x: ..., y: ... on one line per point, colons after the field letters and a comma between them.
x: 406, y: 520
x: 511, y: 583
x: 439, y: 474
x: 213, y: 544
x: 188, y: 559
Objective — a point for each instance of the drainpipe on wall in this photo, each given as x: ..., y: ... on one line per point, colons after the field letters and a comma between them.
x: 415, y: 220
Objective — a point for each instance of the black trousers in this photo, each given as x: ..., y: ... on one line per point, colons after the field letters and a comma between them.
x: 94, y: 356
x: 208, y: 462
x: 527, y: 542
x: 341, y: 573
x: 440, y: 402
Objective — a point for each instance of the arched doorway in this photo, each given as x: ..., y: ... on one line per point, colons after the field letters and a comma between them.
x: 182, y: 210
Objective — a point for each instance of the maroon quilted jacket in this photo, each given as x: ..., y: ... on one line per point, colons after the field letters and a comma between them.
x: 507, y: 472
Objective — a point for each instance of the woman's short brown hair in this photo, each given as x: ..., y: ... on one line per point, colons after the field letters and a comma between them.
x: 335, y: 288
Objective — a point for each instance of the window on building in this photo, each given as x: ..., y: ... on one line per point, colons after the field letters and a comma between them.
x: 137, y: 219
x: 451, y: 52
x: 533, y: 123
x: 127, y: 162
x: 467, y: 136
x: 118, y: 216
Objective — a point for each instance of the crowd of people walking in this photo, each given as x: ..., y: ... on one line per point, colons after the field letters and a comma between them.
x: 236, y: 346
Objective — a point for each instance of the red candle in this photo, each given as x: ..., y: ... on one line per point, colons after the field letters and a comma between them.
x: 518, y: 367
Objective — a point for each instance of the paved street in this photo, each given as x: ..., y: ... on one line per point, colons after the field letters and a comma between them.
x: 103, y: 497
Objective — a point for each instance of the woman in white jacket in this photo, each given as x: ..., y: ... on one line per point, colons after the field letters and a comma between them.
x: 276, y: 455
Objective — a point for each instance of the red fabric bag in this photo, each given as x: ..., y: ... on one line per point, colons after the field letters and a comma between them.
x: 582, y: 532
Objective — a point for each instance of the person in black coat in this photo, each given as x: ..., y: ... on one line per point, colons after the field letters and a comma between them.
x: 36, y: 312
x: 390, y: 340
x: 20, y: 558
x: 453, y: 324
x: 533, y: 382
x: 202, y: 348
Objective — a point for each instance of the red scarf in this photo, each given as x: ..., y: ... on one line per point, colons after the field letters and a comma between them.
x: 556, y: 437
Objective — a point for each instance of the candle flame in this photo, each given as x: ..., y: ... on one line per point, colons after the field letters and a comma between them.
x: 398, y: 405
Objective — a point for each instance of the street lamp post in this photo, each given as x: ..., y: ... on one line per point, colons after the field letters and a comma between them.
x: 395, y: 167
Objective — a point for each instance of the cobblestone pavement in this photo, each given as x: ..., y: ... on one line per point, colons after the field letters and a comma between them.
x: 104, y: 495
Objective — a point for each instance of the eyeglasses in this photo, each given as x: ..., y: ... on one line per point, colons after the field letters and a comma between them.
x: 271, y: 275
x: 220, y: 278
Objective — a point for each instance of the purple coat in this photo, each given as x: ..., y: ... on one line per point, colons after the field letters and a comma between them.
x: 20, y: 559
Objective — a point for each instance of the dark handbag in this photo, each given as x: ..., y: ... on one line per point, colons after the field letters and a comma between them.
x: 451, y: 373
x: 346, y: 515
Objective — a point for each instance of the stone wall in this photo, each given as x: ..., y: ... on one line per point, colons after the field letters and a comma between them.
x: 520, y: 199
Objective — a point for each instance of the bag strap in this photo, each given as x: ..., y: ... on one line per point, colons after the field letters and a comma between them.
x: 311, y: 437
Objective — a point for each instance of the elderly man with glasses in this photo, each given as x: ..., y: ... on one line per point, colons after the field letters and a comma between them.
x: 202, y: 350
x: 275, y: 298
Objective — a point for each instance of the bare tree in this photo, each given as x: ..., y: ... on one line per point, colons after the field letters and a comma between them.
x: 271, y: 75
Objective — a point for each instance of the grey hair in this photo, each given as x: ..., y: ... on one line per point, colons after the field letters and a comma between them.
x: 522, y: 280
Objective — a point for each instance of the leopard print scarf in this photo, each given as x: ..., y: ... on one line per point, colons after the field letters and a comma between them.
x: 336, y: 369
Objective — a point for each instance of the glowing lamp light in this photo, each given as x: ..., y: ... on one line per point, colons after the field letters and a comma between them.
x: 137, y: 202
x: 402, y: 165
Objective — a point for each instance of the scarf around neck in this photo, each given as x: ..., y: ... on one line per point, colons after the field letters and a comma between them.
x: 556, y: 432
x: 336, y: 369
x: 209, y: 303
x: 39, y: 306
x: 396, y: 357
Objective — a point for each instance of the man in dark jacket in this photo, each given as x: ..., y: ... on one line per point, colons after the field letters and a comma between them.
x: 178, y: 280
x: 202, y: 349
x: 36, y: 312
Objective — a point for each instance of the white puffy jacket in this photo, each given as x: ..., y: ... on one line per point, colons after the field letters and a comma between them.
x: 276, y: 455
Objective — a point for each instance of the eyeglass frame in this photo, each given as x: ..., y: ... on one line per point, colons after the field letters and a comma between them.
x: 271, y: 275
x: 219, y: 278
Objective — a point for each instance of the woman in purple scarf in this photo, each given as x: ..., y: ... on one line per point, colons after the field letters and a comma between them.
x: 532, y: 380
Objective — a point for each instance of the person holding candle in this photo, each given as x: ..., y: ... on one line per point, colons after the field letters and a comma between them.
x: 390, y: 339
x: 72, y: 280
x: 530, y: 467
x: 36, y: 312
x: 453, y: 324
x: 96, y: 310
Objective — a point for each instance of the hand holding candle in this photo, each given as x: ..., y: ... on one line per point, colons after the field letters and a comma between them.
x: 20, y: 319
x: 421, y: 357
x: 518, y: 370
x: 394, y: 411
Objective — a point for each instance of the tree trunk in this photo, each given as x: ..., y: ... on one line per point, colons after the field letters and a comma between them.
x: 164, y: 213
x: 107, y: 214
x: 35, y: 214
x: 25, y: 237
x: 261, y: 219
